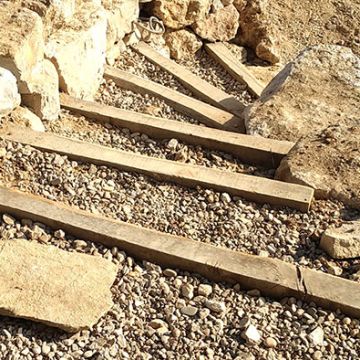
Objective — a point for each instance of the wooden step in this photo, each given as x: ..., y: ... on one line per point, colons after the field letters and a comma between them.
x: 201, y: 88
x: 271, y: 276
x: 204, y: 113
x: 248, y: 149
x: 253, y: 188
x: 225, y: 57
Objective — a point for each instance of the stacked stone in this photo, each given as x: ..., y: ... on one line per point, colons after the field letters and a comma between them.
x: 58, y: 45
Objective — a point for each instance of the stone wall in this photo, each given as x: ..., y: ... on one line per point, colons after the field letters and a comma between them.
x: 52, y: 45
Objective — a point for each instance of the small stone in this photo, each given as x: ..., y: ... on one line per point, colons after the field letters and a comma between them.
x: 252, y: 335
x: 9, y: 220
x: 187, y: 290
x: 157, y: 324
x: 215, y: 306
x: 45, y: 349
x: 205, y: 290
x: 80, y: 244
x: 317, y: 336
x: 170, y: 273
x: 270, y: 342
x: 334, y: 269
x: 189, y: 310
x: 317, y: 355
x: 59, y: 234
x: 225, y: 197
x: 2, y: 152
x: 172, y: 144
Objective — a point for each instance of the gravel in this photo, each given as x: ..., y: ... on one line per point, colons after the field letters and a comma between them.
x: 78, y: 127
x: 152, y: 319
x: 201, y: 214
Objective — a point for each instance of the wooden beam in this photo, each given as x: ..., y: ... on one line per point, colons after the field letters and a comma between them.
x: 224, y: 56
x: 205, y: 113
x: 253, y: 188
x: 248, y: 149
x: 271, y: 276
x: 201, y: 88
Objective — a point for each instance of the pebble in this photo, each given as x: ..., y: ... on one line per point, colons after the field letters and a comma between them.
x: 270, y: 342
x: 215, y: 306
x: 252, y: 335
x: 187, y: 290
x: 170, y: 273
x: 317, y: 336
x: 205, y: 290
x: 189, y: 310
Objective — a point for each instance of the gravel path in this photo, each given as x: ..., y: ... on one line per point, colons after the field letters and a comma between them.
x: 200, y: 214
x: 166, y: 314
x: 78, y: 127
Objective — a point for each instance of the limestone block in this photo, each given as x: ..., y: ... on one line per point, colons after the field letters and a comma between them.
x: 321, y: 87
x: 78, y: 52
x: 21, y: 39
x: 9, y: 95
x: 177, y: 14
x: 26, y: 117
x: 222, y: 25
x: 182, y: 43
x: 42, y: 283
x: 40, y: 91
x: 342, y: 242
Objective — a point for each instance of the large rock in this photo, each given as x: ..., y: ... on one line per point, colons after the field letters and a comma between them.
x: 256, y: 31
x: 120, y: 17
x: 52, y: 12
x: 21, y: 39
x: 222, y: 25
x: 329, y: 162
x: 278, y: 30
x: 9, y: 95
x: 78, y: 51
x: 342, y: 242
x: 40, y: 91
x: 177, y: 14
x: 25, y: 117
x: 183, y: 44
x: 319, y: 88
x: 67, y: 290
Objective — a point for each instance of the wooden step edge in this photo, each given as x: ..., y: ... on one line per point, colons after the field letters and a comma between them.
x: 201, y: 88
x: 248, y: 149
x: 220, y: 53
x: 272, y: 277
x: 253, y: 188
x: 204, y: 113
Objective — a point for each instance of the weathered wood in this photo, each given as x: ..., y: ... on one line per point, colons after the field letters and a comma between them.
x: 201, y: 88
x: 271, y: 276
x: 205, y: 113
x: 249, y: 149
x: 253, y: 188
x: 224, y: 56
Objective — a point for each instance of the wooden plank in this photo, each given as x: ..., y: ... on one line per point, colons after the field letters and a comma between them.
x: 253, y: 188
x: 271, y: 276
x: 201, y: 88
x: 225, y: 57
x: 248, y: 149
x: 205, y: 113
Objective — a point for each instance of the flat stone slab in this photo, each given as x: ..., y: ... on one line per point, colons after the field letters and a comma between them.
x: 42, y: 283
x: 342, y: 242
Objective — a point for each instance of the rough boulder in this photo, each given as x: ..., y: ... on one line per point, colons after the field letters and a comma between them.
x: 9, y: 95
x: 329, y: 162
x: 321, y: 87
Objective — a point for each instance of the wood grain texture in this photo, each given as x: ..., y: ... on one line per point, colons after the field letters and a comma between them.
x: 271, y: 276
x: 253, y: 188
x: 248, y: 149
